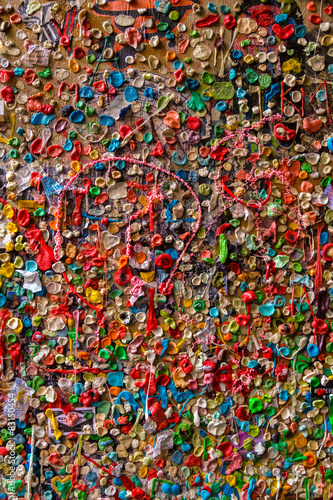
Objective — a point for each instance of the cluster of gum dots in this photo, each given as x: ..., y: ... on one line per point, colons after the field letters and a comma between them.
x: 166, y: 300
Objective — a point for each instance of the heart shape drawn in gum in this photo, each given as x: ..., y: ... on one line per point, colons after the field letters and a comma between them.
x: 62, y: 486
x: 283, y: 33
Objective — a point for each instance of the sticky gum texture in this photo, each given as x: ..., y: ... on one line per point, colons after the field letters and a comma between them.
x: 166, y: 250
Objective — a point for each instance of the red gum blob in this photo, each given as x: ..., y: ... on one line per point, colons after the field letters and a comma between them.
x: 78, y: 53
x: 15, y: 18
x: 29, y: 76
x: 182, y: 46
x: 283, y: 33
x: 100, y: 86
x: 36, y: 146
x: 76, y: 151
x: 179, y: 75
x: 325, y: 254
x: 5, y: 76
x: 158, y: 150
x: 311, y: 126
x: 7, y: 94
x: 311, y: 7
x: 315, y: 19
x: 193, y: 122
x: 218, y: 153
x: 55, y: 150
x: 229, y: 22
x: 23, y: 217
x: 289, y: 136
x: 207, y: 21
x: 133, y: 37
x: 124, y: 131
